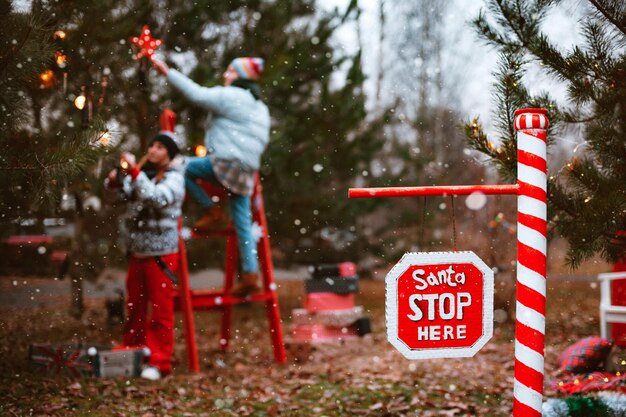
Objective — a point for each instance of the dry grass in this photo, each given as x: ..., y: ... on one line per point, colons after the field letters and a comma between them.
x: 367, y: 377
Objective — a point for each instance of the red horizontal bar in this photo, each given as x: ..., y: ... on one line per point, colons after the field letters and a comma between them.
x: 432, y: 190
x: 229, y: 230
x: 208, y: 299
x: 28, y: 240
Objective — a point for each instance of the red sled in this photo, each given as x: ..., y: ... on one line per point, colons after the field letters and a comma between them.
x: 77, y: 360
x: 70, y: 359
x: 325, y: 301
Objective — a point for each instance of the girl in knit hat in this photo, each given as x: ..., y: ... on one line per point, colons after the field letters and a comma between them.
x: 154, y: 190
x: 235, y: 141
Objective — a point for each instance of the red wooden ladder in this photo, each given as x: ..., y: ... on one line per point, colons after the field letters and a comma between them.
x: 189, y: 300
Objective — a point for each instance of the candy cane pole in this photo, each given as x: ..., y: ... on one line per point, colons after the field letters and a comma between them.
x: 531, y: 126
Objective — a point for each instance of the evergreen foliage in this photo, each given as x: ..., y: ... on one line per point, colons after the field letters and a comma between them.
x: 35, y: 159
x: 322, y: 138
x: 587, y: 198
x: 321, y: 135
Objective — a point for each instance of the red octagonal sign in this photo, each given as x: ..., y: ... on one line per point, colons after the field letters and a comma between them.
x: 439, y: 305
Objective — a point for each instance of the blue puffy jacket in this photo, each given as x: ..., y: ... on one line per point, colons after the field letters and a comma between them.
x: 240, y: 128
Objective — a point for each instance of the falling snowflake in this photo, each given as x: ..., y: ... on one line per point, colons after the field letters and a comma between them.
x: 185, y: 233
x: 476, y: 200
x: 257, y: 231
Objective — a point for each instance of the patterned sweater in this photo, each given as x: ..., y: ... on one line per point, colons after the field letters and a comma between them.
x: 151, y: 218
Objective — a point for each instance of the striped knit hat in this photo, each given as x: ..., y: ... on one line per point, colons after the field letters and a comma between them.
x: 248, y: 68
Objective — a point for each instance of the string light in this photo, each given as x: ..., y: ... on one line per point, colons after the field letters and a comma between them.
x: 59, y: 34
x: 47, y: 78
x: 105, y: 138
x: 200, y: 150
x: 60, y: 59
x: 475, y: 130
x: 79, y: 102
x: 579, y: 145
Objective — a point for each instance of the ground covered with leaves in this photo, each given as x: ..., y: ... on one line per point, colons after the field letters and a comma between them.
x: 367, y: 377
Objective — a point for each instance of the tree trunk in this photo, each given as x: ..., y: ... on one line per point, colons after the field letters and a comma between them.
x: 381, y: 41
x: 143, y: 106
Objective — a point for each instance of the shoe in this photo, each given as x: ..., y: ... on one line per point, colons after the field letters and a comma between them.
x: 248, y: 284
x: 213, y: 219
x: 151, y: 373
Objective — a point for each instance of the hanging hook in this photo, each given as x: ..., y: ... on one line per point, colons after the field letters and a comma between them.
x: 423, y: 226
x: 453, y: 223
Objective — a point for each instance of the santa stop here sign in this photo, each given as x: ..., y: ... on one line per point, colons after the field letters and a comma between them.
x: 439, y: 305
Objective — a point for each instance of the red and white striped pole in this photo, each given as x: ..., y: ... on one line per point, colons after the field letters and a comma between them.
x: 531, y: 126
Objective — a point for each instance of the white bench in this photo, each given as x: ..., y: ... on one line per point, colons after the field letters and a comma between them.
x: 609, y: 313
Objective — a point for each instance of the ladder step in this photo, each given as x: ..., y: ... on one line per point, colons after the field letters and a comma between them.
x: 229, y: 231
x: 207, y: 300
x: 189, y: 300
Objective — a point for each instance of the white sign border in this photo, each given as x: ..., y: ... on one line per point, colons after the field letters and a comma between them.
x: 430, y: 258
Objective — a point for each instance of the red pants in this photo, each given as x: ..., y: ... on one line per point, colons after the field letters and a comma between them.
x: 148, y: 286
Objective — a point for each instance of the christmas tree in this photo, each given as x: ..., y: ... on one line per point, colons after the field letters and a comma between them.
x: 36, y: 158
x: 587, y: 197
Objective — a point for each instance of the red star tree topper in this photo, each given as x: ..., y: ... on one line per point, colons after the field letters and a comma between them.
x: 147, y: 43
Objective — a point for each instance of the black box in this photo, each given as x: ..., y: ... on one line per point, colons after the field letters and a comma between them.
x: 337, y: 285
x: 115, y: 363
x: 363, y: 326
x: 342, y: 269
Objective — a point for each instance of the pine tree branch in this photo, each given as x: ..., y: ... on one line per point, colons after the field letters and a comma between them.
x: 589, y: 206
x: 570, y: 119
x: 27, y: 168
x: 607, y: 15
x: 6, y: 59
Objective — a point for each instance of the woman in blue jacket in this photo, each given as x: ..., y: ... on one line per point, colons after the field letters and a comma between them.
x: 235, y: 140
